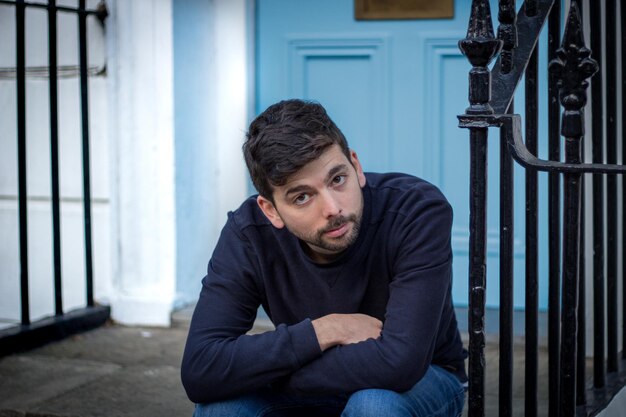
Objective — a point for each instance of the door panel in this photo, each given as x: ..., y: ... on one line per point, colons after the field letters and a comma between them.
x: 347, y: 75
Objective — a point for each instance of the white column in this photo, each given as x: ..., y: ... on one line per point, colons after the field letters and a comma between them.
x: 141, y: 110
x: 234, y: 93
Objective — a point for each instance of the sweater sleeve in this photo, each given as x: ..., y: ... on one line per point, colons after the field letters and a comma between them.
x: 220, y: 360
x: 417, y: 293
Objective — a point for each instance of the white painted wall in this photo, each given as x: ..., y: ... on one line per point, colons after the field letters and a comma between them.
x: 160, y: 193
x: 141, y: 117
x: 234, y: 93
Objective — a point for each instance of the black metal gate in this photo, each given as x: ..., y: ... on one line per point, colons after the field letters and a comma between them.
x: 30, y: 334
x: 491, y: 105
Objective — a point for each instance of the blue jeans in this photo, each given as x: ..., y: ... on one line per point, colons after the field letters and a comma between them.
x: 437, y: 394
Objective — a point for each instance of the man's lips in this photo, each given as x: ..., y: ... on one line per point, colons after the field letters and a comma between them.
x: 337, y: 232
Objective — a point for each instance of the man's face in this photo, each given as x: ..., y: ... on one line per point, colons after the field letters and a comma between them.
x: 321, y: 204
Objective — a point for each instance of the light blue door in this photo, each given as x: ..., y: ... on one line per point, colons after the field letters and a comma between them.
x: 395, y: 89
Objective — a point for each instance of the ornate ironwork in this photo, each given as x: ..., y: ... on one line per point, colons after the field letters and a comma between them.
x: 480, y: 47
x: 528, y: 29
x: 507, y: 32
x: 570, y: 68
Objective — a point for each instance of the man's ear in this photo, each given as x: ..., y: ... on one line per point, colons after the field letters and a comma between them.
x: 267, y: 207
x: 358, y: 168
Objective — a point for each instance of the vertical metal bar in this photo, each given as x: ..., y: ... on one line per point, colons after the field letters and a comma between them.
x: 479, y: 47
x: 505, y: 376
x: 54, y: 154
x: 20, y: 36
x: 478, y: 271
x: 581, y: 350
x: 573, y: 66
x: 507, y: 33
x: 84, y: 92
x: 623, y: 93
x: 554, y: 216
x: 532, y: 269
x: 611, y: 187
x: 571, y: 200
x: 597, y: 106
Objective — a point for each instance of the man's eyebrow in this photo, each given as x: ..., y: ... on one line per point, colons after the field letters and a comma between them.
x: 336, y: 170
x: 297, y: 189
x: 331, y: 174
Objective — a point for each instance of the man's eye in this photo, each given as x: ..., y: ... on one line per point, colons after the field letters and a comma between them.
x: 339, y: 179
x: 301, y: 199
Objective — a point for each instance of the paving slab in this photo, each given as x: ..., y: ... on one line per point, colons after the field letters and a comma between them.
x: 110, y: 371
x: 139, y: 391
x: 123, y: 345
x: 26, y: 381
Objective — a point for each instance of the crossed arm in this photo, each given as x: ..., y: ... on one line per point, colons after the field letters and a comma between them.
x: 345, y: 329
x: 221, y: 361
x: 337, y: 353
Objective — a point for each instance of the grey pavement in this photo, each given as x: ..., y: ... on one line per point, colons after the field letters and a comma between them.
x: 134, y: 371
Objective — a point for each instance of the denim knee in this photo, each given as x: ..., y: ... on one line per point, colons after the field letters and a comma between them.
x: 243, y: 407
x: 438, y: 393
x: 374, y: 402
x: 215, y: 410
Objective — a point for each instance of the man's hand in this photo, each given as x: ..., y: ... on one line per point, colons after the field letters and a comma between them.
x: 344, y: 329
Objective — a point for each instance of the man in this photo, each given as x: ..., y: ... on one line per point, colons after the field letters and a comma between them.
x: 353, y: 269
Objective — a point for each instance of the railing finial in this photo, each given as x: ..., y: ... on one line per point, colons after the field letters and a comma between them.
x: 572, y: 67
x: 480, y: 47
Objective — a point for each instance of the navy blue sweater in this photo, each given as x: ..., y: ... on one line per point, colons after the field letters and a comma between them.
x: 398, y: 270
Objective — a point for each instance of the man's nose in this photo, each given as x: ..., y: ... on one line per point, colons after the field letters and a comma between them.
x: 330, y: 206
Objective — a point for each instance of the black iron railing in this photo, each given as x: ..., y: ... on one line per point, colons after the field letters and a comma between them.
x: 491, y: 105
x: 30, y: 334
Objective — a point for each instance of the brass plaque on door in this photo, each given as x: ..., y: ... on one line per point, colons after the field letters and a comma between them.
x: 403, y: 9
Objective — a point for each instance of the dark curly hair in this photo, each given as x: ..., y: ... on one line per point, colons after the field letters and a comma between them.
x: 284, y: 138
